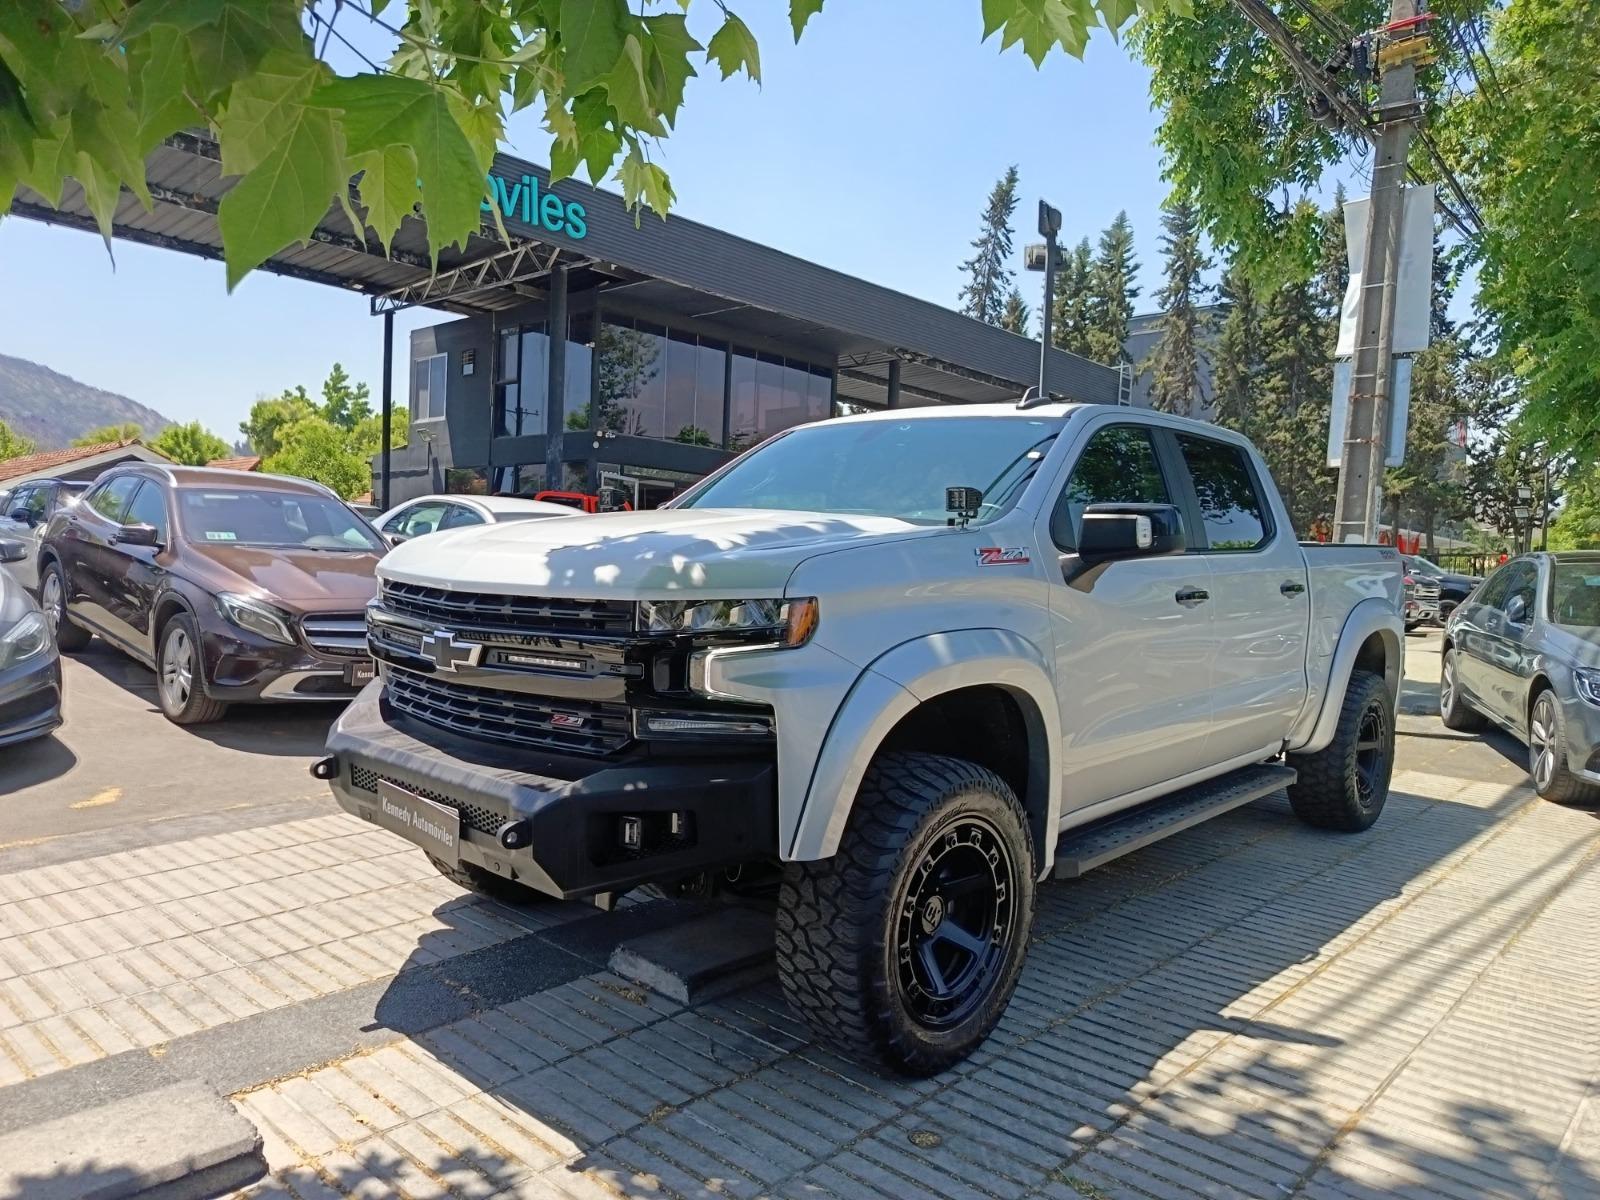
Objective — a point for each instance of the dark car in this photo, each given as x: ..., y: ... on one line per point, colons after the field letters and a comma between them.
x: 1453, y: 588
x: 232, y: 585
x: 26, y: 513
x: 1524, y: 652
x: 30, y: 669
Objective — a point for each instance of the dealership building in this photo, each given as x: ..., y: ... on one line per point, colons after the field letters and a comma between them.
x: 595, y: 347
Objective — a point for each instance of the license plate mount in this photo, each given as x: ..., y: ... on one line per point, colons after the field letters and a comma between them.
x: 433, y: 826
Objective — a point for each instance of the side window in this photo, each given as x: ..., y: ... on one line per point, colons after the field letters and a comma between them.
x: 1492, y: 593
x: 1118, y: 466
x: 1231, y: 507
x: 459, y: 516
x: 110, y: 498
x: 417, y: 520
x: 149, y: 507
x: 1522, y: 580
x: 39, y: 502
x: 21, y: 499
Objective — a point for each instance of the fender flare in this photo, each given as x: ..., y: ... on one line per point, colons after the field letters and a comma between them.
x: 895, y: 684
x: 1369, y: 616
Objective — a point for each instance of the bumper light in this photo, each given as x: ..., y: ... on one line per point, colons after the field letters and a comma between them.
x: 1587, y: 684
x: 650, y: 723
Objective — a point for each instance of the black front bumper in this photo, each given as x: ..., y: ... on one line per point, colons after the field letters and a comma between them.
x: 690, y: 814
x: 30, y: 700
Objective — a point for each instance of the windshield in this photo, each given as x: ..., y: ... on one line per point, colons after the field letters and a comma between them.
x: 1575, y: 594
x: 885, y: 468
x: 244, y: 517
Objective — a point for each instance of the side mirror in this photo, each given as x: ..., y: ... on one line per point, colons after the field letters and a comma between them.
x: 138, y: 535
x: 1516, y: 611
x: 11, y: 552
x: 1115, y: 531
x: 22, y: 516
x: 394, y: 539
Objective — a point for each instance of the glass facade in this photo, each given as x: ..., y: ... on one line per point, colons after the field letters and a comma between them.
x: 771, y: 393
x: 523, y: 377
x: 428, y: 386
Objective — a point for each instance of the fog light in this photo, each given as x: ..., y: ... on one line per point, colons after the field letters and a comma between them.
x: 685, y: 724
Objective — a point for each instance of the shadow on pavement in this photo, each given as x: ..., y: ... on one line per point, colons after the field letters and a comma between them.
x: 1156, y: 1045
x: 28, y: 764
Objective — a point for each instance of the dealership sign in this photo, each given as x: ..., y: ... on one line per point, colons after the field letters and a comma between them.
x: 521, y: 200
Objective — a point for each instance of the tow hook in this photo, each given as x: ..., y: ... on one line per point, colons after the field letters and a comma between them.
x: 514, y: 835
x: 325, y: 768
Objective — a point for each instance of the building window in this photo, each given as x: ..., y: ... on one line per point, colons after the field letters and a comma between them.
x: 523, y: 378
x: 659, y: 383
x: 770, y: 394
x: 428, y: 386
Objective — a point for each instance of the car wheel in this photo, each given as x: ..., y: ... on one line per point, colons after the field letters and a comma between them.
x: 903, y: 949
x: 1547, y: 753
x: 1344, y: 785
x: 1454, y: 710
x: 53, y: 602
x: 181, y: 675
x: 486, y: 883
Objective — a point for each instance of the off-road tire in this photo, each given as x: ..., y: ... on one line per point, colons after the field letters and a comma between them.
x: 1333, y: 791
x: 193, y: 706
x: 838, y: 918
x: 1563, y: 787
x: 486, y: 883
x: 69, y: 637
x: 1458, y: 714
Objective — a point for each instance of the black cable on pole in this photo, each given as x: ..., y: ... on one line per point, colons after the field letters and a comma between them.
x: 1329, y: 23
x: 1450, y: 179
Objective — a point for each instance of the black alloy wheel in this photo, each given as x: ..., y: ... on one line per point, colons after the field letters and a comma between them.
x: 955, y: 923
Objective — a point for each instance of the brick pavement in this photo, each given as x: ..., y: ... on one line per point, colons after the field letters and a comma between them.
x: 1249, y: 1009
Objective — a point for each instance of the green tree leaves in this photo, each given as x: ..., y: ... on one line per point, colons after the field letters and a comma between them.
x: 191, y: 444
x: 12, y: 443
x: 733, y: 48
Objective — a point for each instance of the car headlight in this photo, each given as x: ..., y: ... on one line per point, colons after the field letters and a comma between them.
x: 27, y: 638
x: 789, y: 622
x: 256, y: 616
x: 1587, y: 684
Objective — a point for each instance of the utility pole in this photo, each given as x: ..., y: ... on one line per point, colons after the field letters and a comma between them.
x: 1042, y: 257
x: 1366, y: 432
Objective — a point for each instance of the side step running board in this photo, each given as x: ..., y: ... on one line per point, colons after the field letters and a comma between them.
x: 1090, y: 846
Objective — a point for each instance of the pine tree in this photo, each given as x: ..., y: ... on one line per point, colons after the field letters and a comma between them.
x: 1069, y: 311
x: 1290, y: 422
x: 1016, y: 314
x: 1237, y: 362
x: 1174, y: 363
x: 1111, y: 293
x: 988, y: 277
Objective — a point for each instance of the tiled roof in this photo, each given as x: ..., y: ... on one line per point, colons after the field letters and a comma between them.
x: 244, y: 462
x: 32, y: 464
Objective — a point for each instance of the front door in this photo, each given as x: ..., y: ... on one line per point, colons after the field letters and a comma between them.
x: 134, y: 573
x: 1259, y: 601
x: 1505, y: 664
x: 1134, y: 640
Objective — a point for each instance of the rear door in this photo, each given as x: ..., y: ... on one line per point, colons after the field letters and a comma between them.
x: 1507, y: 639
x: 1260, y: 604
x: 1134, y: 640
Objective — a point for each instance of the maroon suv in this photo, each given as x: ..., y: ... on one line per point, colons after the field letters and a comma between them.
x: 231, y: 585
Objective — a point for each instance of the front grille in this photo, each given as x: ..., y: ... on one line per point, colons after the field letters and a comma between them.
x: 343, y: 634
x: 524, y: 614
x: 570, y: 726
x: 482, y: 819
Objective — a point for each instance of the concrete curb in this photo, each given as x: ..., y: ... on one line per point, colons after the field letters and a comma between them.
x: 183, y: 1142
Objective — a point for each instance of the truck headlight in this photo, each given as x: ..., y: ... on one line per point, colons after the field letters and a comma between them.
x: 28, y: 637
x: 1587, y: 684
x: 790, y: 622
x: 256, y: 616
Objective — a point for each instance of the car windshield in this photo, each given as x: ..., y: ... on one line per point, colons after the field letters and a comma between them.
x: 1575, y: 594
x: 885, y: 468
x: 247, y: 517
x: 1421, y: 566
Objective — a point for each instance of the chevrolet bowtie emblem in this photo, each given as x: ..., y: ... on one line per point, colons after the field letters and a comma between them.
x: 446, y: 653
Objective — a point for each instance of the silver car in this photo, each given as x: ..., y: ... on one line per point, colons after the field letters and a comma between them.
x: 28, y: 509
x: 1523, y: 651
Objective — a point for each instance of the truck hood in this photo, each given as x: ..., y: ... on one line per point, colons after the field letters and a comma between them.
x: 732, y: 553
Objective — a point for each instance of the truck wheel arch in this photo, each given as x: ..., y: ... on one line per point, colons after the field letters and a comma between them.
x: 1371, y: 640
x: 909, y: 696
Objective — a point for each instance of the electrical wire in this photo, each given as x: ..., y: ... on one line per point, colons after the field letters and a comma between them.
x: 1331, y: 25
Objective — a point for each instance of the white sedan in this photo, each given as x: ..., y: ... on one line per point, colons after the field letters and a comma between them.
x: 431, y: 514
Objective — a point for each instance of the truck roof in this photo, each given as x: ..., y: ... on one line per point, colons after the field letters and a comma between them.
x: 1057, y: 409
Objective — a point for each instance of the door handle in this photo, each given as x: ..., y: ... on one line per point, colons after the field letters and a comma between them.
x: 1291, y: 587
x: 1192, y: 596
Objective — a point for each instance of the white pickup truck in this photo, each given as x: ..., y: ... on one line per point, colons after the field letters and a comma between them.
x: 902, y: 667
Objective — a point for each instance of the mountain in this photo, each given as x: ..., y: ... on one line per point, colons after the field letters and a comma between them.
x: 51, y: 409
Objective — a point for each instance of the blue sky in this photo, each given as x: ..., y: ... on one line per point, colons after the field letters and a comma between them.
x: 870, y: 147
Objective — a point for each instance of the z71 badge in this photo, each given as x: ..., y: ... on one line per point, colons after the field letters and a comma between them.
x: 1002, y: 556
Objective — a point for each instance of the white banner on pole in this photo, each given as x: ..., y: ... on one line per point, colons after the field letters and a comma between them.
x: 1414, y: 290
x: 1399, y: 411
